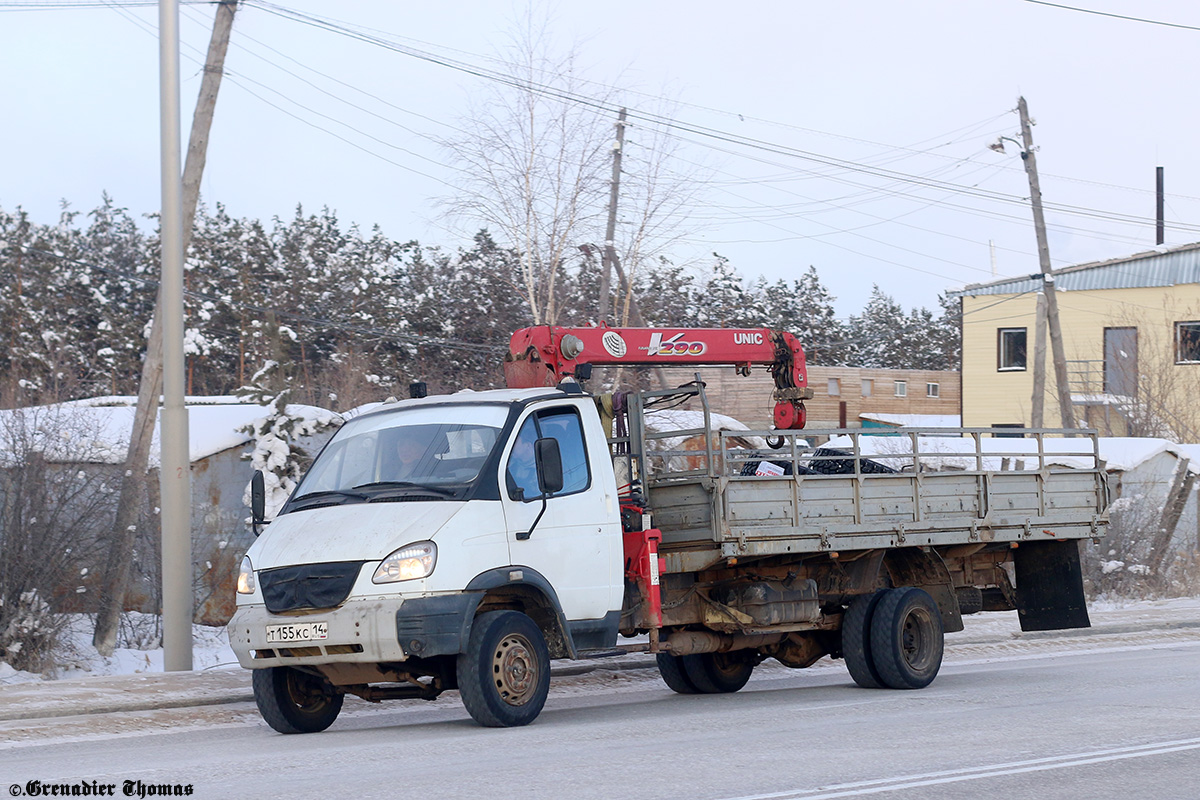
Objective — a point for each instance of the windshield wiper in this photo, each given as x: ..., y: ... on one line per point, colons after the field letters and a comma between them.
x: 405, y: 485
x: 329, y: 497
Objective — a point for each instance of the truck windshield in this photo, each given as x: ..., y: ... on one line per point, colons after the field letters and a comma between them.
x: 434, y: 451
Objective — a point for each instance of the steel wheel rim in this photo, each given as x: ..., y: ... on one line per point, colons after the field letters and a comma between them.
x: 916, y: 639
x: 727, y: 665
x: 515, y: 670
x: 304, y: 692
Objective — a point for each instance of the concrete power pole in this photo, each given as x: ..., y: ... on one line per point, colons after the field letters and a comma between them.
x: 175, y: 470
x: 1058, y: 353
x: 610, y: 232
x: 133, y: 485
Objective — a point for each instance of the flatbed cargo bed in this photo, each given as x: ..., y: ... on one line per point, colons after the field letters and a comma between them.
x: 863, y: 490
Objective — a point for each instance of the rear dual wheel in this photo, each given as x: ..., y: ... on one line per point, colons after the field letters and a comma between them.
x: 856, y: 640
x: 893, y: 638
x: 706, y: 673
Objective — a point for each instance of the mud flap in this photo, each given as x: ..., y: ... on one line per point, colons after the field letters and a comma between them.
x: 911, y: 566
x: 1050, y: 586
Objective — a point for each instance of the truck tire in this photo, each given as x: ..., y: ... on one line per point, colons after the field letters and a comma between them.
x: 907, y: 639
x: 970, y: 599
x: 504, y: 675
x: 671, y: 669
x: 292, y: 701
x: 718, y: 673
x: 856, y: 640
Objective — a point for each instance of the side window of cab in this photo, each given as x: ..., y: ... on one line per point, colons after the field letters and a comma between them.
x: 564, y: 426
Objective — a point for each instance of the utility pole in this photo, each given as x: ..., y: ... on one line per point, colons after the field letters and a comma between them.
x: 610, y: 232
x: 1039, y: 222
x: 133, y: 485
x: 1159, y: 202
x: 635, y: 312
x: 1038, y: 401
x: 174, y: 471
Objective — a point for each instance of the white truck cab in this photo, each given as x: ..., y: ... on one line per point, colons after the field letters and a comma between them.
x: 421, y: 533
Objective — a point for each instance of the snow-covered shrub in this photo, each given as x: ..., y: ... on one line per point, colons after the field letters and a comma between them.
x: 140, y: 631
x: 277, y: 449
x: 1124, y: 563
x: 28, y: 639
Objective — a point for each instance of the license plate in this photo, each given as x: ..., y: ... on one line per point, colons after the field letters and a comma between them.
x: 305, y: 632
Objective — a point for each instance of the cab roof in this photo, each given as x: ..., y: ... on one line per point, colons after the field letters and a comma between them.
x: 490, y: 397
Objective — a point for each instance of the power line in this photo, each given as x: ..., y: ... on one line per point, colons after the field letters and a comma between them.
x: 1115, y: 16
x: 606, y: 107
x: 62, y: 5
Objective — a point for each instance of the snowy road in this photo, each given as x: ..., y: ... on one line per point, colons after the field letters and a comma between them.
x: 1076, y: 717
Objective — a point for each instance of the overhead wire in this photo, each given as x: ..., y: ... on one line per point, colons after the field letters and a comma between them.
x: 1115, y: 16
x: 836, y: 164
x: 700, y: 130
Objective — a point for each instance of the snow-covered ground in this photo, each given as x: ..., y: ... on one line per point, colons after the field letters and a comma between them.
x: 78, y: 658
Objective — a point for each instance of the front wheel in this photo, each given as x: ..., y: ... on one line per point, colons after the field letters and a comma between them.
x: 907, y: 641
x: 292, y: 701
x: 504, y: 675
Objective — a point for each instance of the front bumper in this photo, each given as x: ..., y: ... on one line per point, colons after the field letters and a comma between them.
x: 361, y: 631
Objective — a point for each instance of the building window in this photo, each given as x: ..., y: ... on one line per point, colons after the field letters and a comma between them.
x: 1002, y: 433
x: 901, y: 388
x: 1187, y: 342
x: 868, y: 386
x: 932, y: 390
x: 835, y: 387
x: 1011, y: 355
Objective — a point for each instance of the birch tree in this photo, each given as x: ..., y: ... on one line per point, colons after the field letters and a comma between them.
x: 533, y: 166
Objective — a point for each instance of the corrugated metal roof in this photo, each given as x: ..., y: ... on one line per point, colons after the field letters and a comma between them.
x: 1155, y: 268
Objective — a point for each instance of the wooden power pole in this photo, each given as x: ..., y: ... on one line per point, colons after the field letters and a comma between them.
x: 1057, y: 351
x: 1038, y: 401
x: 610, y: 231
x: 133, y: 485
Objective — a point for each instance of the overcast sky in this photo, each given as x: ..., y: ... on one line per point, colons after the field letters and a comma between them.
x: 883, y: 109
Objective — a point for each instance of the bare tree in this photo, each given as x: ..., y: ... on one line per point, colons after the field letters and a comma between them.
x: 57, y: 499
x: 536, y: 160
x: 658, y: 190
x: 534, y: 163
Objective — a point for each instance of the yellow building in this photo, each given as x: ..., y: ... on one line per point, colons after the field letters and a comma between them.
x: 1131, y: 336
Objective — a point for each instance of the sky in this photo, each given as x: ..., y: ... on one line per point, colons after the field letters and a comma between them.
x: 849, y: 136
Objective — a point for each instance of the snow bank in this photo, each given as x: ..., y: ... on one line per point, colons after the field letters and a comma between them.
x: 916, y: 420
x: 142, y: 651
x: 97, y: 430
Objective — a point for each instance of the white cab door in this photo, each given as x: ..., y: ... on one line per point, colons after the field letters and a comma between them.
x: 576, y: 545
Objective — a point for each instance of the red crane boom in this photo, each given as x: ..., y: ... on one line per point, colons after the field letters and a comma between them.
x: 543, y: 355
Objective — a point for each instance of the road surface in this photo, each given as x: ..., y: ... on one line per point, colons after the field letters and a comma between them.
x: 1072, y: 717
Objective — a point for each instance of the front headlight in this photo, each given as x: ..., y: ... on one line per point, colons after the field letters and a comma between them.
x: 408, y: 563
x: 245, y: 584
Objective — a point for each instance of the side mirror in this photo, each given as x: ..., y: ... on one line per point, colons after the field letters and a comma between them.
x: 258, y: 501
x: 549, y: 465
x: 548, y: 459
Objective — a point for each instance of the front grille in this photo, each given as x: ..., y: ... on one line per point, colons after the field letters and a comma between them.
x: 308, y: 586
